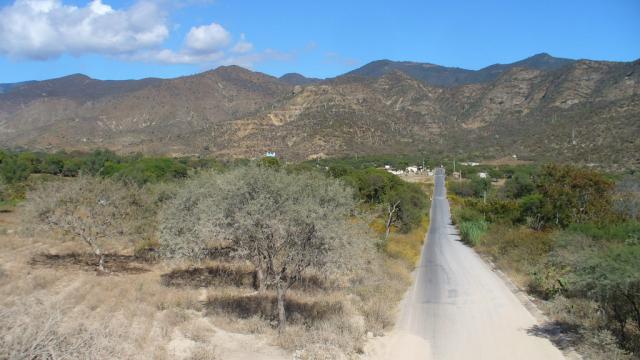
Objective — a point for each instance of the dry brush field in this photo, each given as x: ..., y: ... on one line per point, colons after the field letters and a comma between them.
x: 54, y: 304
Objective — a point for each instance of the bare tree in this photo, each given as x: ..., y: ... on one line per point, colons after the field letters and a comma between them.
x: 283, y: 223
x: 94, y: 210
x: 392, y: 209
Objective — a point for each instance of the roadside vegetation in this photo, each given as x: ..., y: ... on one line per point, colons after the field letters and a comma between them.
x: 312, y: 259
x: 571, y: 237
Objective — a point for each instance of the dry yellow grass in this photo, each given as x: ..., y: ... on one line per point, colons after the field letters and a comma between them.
x: 137, y: 316
x: 407, y: 246
x: 70, y: 313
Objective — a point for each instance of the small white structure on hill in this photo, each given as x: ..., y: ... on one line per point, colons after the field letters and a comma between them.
x: 483, y: 175
x: 270, y: 154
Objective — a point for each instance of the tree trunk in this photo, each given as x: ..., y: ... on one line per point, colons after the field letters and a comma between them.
x: 282, y: 320
x: 259, y: 285
x: 100, y: 260
x: 392, y: 210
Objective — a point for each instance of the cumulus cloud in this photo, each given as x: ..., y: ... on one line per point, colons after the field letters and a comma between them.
x: 207, y: 38
x: 42, y: 29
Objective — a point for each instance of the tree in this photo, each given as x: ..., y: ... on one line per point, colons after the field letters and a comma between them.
x: 95, y: 211
x: 573, y: 195
x: 283, y: 223
x: 406, y: 204
x: 518, y: 186
x: 14, y: 170
x: 611, y: 276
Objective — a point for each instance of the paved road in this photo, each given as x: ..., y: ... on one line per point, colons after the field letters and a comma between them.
x: 458, y: 307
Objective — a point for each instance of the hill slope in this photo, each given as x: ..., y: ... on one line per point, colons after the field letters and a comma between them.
x: 543, y: 108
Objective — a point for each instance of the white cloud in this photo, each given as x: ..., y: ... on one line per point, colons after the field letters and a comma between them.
x: 42, y: 29
x: 168, y: 56
x: 242, y: 46
x: 45, y: 29
x: 207, y: 38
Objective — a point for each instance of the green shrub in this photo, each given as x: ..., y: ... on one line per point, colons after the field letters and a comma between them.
x: 518, y: 186
x: 465, y: 214
x: 147, y: 170
x: 13, y: 169
x: 618, y: 231
x: 379, y: 187
x: 472, y: 231
x: 573, y: 195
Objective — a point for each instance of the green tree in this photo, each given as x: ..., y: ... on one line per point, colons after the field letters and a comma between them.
x: 573, y: 195
x: 14, y: 170
x: 518, y: 186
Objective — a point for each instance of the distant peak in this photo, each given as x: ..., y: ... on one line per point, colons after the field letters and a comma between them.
x: 292, y: 75
x: 231, y: 68
x: 297, y: 79
x: 76, y: 76
x: 542, y: 55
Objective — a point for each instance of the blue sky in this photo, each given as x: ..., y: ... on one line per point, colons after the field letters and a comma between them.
x: 116, y: 39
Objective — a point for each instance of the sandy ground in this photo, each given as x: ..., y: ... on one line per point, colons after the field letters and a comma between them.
x: 145, y: 320
x: 458, y: 307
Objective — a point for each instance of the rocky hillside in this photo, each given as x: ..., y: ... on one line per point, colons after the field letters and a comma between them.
x: 541, y: 108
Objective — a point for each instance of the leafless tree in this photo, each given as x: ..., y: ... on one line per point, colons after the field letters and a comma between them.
x: 392, y: 209
x: 283, y: 223
x: 94, y: 210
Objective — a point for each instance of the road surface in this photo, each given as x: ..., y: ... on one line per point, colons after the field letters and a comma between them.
x: 458, y: 307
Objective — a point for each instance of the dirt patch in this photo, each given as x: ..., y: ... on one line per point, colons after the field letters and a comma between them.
x: 114, y: 263
x: 230, y: 275
x: 265, y: 306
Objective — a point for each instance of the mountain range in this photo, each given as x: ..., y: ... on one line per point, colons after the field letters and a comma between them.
x: 541, y: 108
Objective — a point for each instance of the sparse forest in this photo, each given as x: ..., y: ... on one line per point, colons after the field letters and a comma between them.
x: 295, y: 252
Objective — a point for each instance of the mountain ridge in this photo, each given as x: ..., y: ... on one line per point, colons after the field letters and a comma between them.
x: 562, y: 111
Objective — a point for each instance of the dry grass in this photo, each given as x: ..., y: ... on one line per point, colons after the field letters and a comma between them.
x: 56, y: 306
x: 59, y: 312
x: 407, y: 247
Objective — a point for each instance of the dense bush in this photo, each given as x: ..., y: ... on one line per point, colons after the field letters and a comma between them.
x: 14, y: 169
x: 476, y: 187
x: 379, y: 187
x: 581, y: 243
x: 573, y: 195
x: 518, y: 185
x: 146, y: 170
